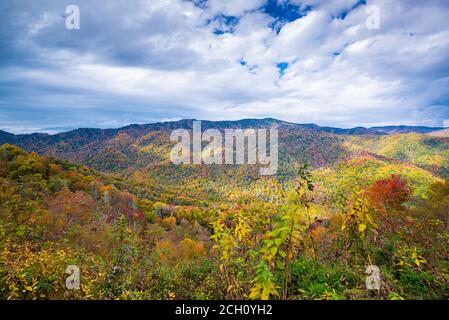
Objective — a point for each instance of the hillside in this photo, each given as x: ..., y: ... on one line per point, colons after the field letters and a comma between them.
x: 149, y: 237
x: 428, y: 152
x: 141, y: 227
x: 440, y: 133
x: 145, y: 146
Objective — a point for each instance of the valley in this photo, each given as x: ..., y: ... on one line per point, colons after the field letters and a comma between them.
x: 140, y: 227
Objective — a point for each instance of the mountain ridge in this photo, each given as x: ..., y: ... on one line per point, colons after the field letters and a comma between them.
x: 245, y: 122
x: 147, y: 146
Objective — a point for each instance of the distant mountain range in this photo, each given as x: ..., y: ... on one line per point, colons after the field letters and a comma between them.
x: 143, y: 146
x: 245, y: 123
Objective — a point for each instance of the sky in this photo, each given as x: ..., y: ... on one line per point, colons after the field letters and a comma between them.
x: 342, y: 63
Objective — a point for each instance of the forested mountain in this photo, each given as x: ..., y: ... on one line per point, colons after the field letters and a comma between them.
x: 140, y: 227
x: 143, y: 146
x: 440, y: 133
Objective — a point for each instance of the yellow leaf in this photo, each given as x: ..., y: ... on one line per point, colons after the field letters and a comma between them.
x: 362, y: 227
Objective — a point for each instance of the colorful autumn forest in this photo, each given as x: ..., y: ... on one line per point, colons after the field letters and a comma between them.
x: 139, y: 227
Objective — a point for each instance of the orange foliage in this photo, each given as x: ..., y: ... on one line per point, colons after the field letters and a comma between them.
x: 169, y: 222
x: 388, y: 194
x: 68, y: 207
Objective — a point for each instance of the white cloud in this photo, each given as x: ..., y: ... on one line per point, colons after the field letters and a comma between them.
x: 234, y: 8
x: 161, y: 59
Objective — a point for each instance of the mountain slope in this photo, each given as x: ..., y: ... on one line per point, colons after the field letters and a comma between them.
x: 181, y: 232
x: 440, y: 133
x: 428, y: 152
x: 147, y: 146
x: 137, y: 146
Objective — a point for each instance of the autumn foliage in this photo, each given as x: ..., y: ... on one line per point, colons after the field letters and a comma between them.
x: 178, y: 234
x: 388, y: 194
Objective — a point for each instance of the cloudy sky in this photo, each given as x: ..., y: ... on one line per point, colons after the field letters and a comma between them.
x: 140, y: 61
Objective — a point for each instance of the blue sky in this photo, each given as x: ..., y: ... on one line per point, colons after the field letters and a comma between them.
x: 139, y: 61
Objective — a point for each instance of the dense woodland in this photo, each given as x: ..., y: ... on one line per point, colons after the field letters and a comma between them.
x: 153, y: 230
